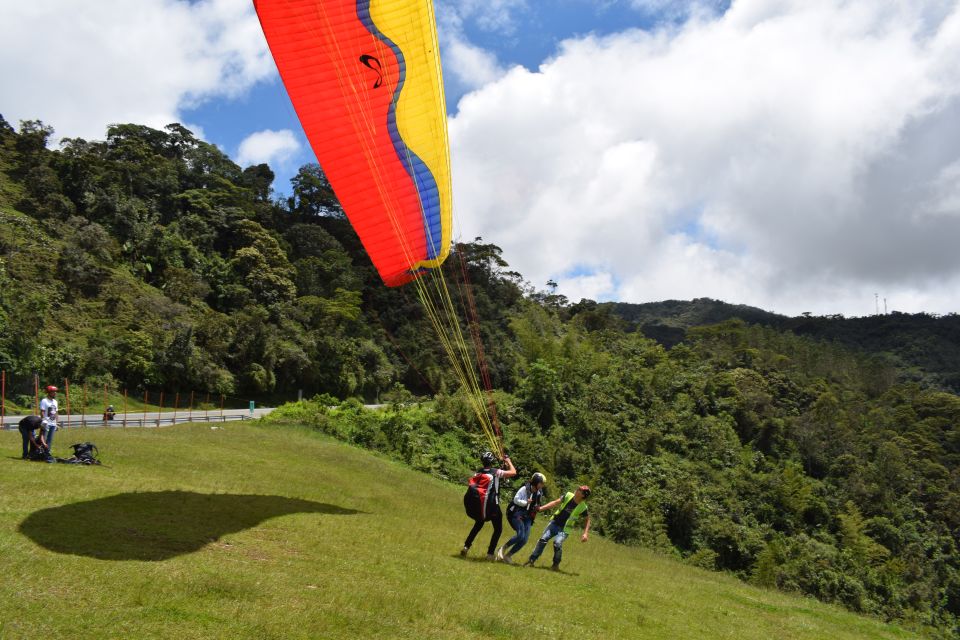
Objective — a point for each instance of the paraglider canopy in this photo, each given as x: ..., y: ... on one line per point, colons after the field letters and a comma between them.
x: 364, y: 77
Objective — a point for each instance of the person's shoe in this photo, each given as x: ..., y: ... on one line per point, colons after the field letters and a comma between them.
x: 491, y: 557
x: 500, y: 553
x: 528, y: 563
x: 506, y: 559
x: 463, y: 552
x: 555, y: 567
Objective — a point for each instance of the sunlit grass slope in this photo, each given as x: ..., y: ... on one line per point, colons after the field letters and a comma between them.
x: 254, y: 532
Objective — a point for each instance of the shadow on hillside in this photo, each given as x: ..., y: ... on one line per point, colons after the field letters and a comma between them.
x: 514, y: 565
x: 157, y: 525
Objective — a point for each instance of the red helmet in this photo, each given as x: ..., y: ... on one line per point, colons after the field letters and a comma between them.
x: 52, y: 389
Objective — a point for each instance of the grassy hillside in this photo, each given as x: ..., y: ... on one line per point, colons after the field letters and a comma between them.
x: 256, y: 532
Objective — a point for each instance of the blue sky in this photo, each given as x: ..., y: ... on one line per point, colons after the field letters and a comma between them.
x: 514, y: 33
x: 795, y: 155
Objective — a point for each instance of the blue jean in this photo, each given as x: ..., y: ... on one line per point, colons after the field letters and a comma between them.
x: 48, y: 430
x: 553, y: 530
x: 522, y: 523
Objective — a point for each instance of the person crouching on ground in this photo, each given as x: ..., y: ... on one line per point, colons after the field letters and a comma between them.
x: 48, y: 414
x: 573, y: 505
x: 31, y: 432
x: 520, y: 515
x: 493, y: 513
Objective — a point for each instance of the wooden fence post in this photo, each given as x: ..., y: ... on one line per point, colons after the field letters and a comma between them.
x: 66, y: 392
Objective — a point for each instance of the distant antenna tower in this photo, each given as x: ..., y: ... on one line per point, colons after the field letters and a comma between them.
x: 884, y: 306
x: 876, y: 300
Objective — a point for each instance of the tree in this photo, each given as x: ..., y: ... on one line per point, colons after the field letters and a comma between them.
x: 312, y: 194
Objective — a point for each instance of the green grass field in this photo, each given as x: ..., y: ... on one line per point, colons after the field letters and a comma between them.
x: 248, y: 531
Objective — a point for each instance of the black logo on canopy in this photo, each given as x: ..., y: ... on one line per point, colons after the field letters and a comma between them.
x: 374, y: 64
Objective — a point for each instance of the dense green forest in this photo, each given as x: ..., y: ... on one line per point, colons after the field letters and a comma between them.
x: 785, y: 456
x: 922, y: 347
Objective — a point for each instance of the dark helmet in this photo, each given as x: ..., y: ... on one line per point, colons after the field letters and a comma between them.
x: 487, y: 458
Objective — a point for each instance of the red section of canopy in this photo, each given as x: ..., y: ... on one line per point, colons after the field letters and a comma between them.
x: 317, y: 45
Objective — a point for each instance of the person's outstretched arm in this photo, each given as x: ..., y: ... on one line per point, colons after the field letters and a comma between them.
x: 510, y: 471
x: 586, y: 529
x: 549, y: 505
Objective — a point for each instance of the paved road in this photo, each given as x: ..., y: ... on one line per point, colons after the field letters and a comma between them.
x: 149, y: 419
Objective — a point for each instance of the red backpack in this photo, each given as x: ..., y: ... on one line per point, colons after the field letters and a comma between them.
x: 482, y: 494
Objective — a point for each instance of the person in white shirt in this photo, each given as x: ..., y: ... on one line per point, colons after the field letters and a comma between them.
x: 48, y: 414
x: 520, y: 515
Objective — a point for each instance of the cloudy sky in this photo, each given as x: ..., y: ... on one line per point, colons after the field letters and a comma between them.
x: 795, y: 155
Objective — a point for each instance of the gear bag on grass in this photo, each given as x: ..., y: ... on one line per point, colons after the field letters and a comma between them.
x: 83, y: 453
x: 482, y: 494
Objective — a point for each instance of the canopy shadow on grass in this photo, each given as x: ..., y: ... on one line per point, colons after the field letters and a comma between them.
x: 157, y: 525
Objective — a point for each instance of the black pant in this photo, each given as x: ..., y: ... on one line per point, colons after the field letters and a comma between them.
x: 25, y: 435
x: 27, y: 426
x: 496, y: 519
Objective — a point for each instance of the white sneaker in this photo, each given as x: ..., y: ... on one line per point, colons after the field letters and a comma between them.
x: 500, y: 552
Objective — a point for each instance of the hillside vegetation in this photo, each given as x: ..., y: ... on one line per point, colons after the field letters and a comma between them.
x: 254, y: 532
x: 922, y: 347
x: 150, y: 261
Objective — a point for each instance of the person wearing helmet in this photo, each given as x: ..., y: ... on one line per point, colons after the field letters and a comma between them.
x: 48, y: 414
x: 494, y: 515
x: 520, y: 515
x: 573, y: 505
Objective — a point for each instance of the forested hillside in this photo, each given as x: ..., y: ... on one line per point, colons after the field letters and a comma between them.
x: 923, y: 347
x: 150, y: 260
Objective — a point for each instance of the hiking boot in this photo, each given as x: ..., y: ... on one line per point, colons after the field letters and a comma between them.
x: 463, y: 552
x: 491, y: 557
x: 528, y: 563
x: 555, y: 567
x: 500, y: 553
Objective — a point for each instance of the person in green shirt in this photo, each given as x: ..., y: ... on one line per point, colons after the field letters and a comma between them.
x: 572, y: 506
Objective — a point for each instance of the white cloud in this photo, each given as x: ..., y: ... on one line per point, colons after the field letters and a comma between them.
x: 778, y: 155
x: 945, y: 196
x: 673, y: 9
x: 594, y: 286
x: 90, y: 64
x: 465, y: 65
x: 492, y: 15
x: 272, y: 147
